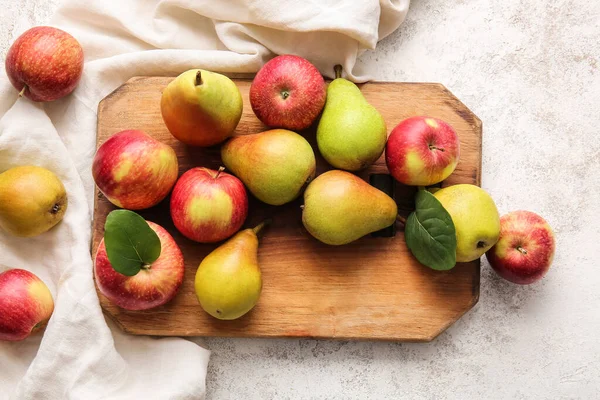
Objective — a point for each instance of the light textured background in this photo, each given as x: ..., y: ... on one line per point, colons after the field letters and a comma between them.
x: 530, y: 71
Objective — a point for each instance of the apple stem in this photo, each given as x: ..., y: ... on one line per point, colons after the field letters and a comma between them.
x: 260, y: 226
x: 145, y: 266
x: 401, y: 219
x: 22, y: 92
x: 221, y: 169
x: 338, y: 71
x: 522, y: 250
x: 432, y: 147
x: 198, y: 78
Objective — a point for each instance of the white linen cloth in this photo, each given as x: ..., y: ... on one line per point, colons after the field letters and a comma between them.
x: 79, y: 356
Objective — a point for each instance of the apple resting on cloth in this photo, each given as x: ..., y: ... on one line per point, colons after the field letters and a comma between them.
x: 525, y: 249
x: 208, y: 206
x: 422, y: 151
x: 288, y: 92
x: 154, y: 285
x: 25, y: 304
x: 44, y: 63
x: 134, y: 171
x: 201, y: 108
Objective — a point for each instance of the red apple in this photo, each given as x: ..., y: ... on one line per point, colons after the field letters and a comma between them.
x: 25, y: 304
x: 44, y: 63
x: 288, y: 92
x: 135, y: 171
x: 422, y: 151
x: 153, y: 286
x: 208, y: 206
x: 525, y: 250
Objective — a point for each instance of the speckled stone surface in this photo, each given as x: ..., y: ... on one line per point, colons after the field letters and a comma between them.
x: 531, y: 71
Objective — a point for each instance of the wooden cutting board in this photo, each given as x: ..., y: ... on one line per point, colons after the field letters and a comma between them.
x: 370, y: 289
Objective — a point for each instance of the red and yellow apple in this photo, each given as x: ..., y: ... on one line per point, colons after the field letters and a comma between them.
x: 207, y: 205
x: 525, y: 250
x: 155, y: 284
x: 422, y: 151
x: 135, y: 171
x: 288, y: 92
x: 44, y: 63
x: 25, y: 304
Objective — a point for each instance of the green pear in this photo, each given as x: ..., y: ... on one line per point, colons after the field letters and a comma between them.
x: 32, y: 200
x: 339, y: 208
x: 201, y: 108
x: 475, y: 218
x: 228, y: 281
x: 274, y: 165
x: 351, y: 134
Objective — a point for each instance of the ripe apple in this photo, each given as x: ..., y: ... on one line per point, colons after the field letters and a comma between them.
x: 201, y: 108
x: 525, y: 249
x: 44, y: 63
x: 288, y: 92
x: 208, y: 206
x: 422, y: 151
x: 25, y: 304
x: 134, y: 171
x: 153, y: 286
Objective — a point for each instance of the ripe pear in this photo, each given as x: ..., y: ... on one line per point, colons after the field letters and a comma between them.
x: 201, y: 108
x: 339, y: 208
x: 228, y: 281
x: 475, y: 218
x: 274, y: 165
x: 32, y: 200
x: 351, y: 134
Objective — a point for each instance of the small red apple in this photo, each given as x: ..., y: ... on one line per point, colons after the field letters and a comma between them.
x: 153, y: 286
x: 525, y: 250
x: 422, y: 151
x: 208, y: 206
x: 288, y: 92
x: 44, y: 63
x: 25, y: 304
x: 135, y: 171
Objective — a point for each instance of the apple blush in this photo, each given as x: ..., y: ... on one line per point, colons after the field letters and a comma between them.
x: 288, y: 92
x: 525, y: 250
x: 25, y: 304
x: 44, y: 63
x: 153, y: 286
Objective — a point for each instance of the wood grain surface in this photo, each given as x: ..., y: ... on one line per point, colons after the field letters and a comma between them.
x: 371, y: 289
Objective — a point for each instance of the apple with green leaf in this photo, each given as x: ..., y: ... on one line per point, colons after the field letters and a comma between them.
x: 138, y: 265
x: 25, y: 304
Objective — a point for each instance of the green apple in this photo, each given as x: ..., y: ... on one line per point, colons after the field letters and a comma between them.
x: 475, y: 218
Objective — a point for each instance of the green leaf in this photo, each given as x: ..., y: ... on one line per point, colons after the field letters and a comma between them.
x: 130, y: 242
x: 430, y: 233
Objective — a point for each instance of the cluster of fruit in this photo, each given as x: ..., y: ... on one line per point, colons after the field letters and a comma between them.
x: 43, y: 64
x: 203, y: 108
x: 139, y: 266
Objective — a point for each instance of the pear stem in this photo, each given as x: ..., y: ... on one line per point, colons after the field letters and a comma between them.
x: 22, y: 92
x: 338, y: 71
x: 198, y: 78
x: 260, y: 226
x: 221, y: 169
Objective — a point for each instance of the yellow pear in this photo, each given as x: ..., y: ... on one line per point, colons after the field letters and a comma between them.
x: 228, y: 281
x: 340, y: 208
x: 475, y: 218
x: 32, y: 200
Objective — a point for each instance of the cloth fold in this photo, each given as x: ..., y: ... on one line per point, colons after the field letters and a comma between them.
x: 80, y: 355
